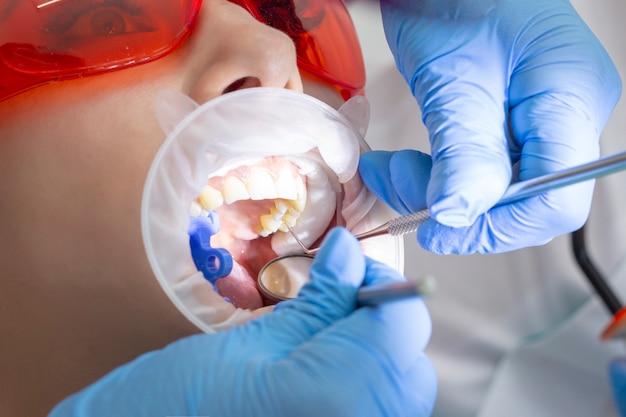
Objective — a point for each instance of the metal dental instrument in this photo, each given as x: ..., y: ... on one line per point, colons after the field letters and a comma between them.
x: 517, y: 191
x: 282, y: 278
x: 377, y: 294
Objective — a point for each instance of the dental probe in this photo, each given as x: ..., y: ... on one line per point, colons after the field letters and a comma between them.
x: 517, y: 191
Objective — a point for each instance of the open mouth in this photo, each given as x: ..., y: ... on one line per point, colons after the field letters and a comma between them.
x: 266, y: 161
x: 257, y: 203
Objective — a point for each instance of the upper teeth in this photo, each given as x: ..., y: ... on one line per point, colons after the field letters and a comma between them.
x: 283, y: 215
x: 287, y: 188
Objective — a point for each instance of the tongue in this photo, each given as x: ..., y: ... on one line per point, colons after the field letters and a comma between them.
x: 240, y: 288
x: 249, y: 256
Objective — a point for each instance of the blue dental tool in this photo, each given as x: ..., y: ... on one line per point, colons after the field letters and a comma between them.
x: 214, y: 263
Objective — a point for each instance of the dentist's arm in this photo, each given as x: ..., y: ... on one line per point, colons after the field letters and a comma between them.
x: 316, y: 355
x: 509, y: 90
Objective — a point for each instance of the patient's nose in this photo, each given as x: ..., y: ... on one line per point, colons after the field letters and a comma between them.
x: 231, y: 50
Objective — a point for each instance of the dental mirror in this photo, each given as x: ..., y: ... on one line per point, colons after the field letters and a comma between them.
x: 283, y: 277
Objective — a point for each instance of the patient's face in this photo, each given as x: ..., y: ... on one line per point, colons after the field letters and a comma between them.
x: 74, y: 156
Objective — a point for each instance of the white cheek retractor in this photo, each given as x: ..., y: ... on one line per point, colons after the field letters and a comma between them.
x: 238, y: 129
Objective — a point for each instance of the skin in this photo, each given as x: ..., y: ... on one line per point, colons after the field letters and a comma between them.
x: 77, y: 294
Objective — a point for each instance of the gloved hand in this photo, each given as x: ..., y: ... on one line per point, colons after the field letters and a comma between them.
x: 509, y: 90
x: 316, y: 355
x: 617, y: 374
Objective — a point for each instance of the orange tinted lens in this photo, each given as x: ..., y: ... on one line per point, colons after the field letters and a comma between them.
x: 330, y: 49
x: 324, y: 35
x: 49, y: 40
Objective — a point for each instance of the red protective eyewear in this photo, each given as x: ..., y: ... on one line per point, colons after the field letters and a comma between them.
x: 43, y: 41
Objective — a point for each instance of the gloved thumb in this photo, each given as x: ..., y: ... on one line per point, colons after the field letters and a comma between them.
x: 400, y: 178
x: 617, y: 375
x: 335, y: 276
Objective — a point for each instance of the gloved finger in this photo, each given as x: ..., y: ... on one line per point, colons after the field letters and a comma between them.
x: 542, y: 102
x: 531, y: 222
x: 617, y: 375
x: 497, y: 231
x: 336, y: 274
x: 410, y: 173
x: 393, y: 333
x: 398, y: 178
x: 420, y: 387
x: 378, y: 273
x: 556, y: 121
x: 411, y: 313
x: 465, y: 116
x: 552, y: 135
x: 377, y: 348
x: 471, y: 165
x: 375, y: 172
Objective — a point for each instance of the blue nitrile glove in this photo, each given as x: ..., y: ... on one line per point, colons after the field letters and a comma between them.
x: 509, y: 90
x: 617, y: 374
x: 316, y: 355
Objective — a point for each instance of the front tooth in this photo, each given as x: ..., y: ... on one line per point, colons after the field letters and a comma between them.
x: 234, y: 190
x: 260, y: 185
x: 211, y: 198
x: 286, y: 185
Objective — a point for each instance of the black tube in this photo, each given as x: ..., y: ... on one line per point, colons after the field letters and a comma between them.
x: 599, y: 284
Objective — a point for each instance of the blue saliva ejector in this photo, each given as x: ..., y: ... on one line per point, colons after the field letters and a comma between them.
x: 214, y: 263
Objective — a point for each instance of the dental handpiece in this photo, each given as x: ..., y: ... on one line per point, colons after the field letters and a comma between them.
x: 517, y: 191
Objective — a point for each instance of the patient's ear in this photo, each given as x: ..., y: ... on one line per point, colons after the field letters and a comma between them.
x: 171, y: 107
